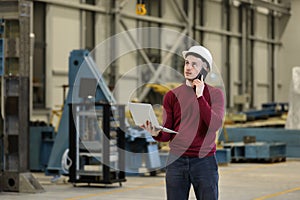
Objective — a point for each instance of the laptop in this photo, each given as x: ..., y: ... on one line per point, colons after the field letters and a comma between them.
x: 141, y: 112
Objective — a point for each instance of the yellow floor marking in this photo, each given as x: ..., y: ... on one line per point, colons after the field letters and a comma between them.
x: 116, y: 191
x: 277, y: 194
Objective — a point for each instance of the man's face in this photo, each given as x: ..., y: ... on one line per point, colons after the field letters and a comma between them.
x: 192, y: 67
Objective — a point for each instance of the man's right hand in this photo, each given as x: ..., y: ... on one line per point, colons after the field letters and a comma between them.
x: 151, y: 129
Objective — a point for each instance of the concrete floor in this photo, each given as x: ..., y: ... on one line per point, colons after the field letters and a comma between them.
x: 238, y: 181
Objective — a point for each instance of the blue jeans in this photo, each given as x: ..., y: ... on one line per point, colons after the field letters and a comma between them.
x: 202, y: 173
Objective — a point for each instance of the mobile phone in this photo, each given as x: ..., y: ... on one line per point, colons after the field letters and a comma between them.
x: 198, y: 76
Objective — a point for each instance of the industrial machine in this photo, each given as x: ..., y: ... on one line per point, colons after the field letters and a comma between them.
x: 85, y: 84
x: 97, y: 141
x: 142, y: 153
x: 41, y: 139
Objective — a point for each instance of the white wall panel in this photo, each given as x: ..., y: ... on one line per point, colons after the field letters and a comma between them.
x: 288, y: 53
x: 62, y: 36
x: 235, y: 78
x: 102, y: 23
x: 234, y: 19
x: 126, y: 86
x: 213, y: 14
x: 170, y: 12
x: 213, y: 20
x: 262, y: 83
x: 128, y: 7
x: 261, y: 25
x: 234, y: 60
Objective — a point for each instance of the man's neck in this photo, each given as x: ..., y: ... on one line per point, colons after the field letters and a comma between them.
x: 188, y: 82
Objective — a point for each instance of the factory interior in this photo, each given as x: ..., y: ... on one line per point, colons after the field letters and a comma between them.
x: 69, y: 69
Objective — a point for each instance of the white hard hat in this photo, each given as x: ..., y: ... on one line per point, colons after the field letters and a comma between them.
x: 202, y: 52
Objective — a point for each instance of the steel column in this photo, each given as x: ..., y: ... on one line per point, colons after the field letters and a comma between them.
x: 16, y: 96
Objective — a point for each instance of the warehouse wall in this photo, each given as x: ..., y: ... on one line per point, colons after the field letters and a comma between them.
x: 242, y: 75
x: 289, y: 53
x: 64, y: 26
x: 63, y: 35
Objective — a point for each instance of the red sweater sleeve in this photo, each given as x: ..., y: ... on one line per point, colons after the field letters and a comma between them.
x: 213, y: 113
x: 168, y: 122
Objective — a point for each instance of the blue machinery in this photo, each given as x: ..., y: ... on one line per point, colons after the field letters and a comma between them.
x: 82, y: 74
x: 273, y: 136
x: 142, y: 154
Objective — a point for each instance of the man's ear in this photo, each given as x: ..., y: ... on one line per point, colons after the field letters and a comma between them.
x: 204, y: 65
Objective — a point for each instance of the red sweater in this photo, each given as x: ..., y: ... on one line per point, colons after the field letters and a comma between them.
x: 195, y: 119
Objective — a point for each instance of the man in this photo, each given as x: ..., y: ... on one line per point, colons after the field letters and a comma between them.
x: 195, y: 110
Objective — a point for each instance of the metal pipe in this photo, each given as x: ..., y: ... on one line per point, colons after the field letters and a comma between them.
x: 227, y: 25
x: 219, y: 32
x: 264, y: 40
x: 282, y: 8
x: 76, y: 6
x: 201, y: 22
x: 152, y: 19
x: 272, y: 56
x: 261, y: 84
x: 114, y: 46
x: 243, y: 52
x: 250, y: 69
